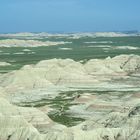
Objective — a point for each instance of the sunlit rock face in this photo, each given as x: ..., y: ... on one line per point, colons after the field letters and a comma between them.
x: 65, y: 72
x: 30, y: 123
x: 13, y: 125
x: 124, y: 64
x: 4, y: 64
x: 103, y: 92
x: 19, y: 123
x: 50, y: 77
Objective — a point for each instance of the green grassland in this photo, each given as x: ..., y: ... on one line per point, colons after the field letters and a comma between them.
x: 80, y: 50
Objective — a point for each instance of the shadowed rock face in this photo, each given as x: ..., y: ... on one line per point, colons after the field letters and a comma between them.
x: 103, y: 92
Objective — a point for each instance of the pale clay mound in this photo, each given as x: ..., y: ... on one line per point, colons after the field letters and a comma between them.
x: 20, y: 123
x: 4, y: 64
x: 27, y: 43
x: 56, y: 75
x: 109, y: 116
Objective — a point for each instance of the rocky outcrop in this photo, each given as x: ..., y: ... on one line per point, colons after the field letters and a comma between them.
x: 120, y: 123
x: 4, y: 64
x: 122, y: 64
x: 27, y: 43
x: 13, y: 125
x: 19, y: 123
x: 106, y: 95
x: 70, y: 35
x: 31, y: 124
x: 50, y: 77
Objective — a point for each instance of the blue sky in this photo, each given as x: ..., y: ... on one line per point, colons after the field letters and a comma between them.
x: 69, y: 15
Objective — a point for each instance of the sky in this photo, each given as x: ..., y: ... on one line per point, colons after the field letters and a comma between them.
x: 69, y: 15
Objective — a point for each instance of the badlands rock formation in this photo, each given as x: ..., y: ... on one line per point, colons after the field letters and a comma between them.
x: 19, y: 123
x: 27, y: 43
x: 53, y: 76
x: 123, y: 64
x: 4, y: 64
x: 72, y: 35
x: 106, y: 95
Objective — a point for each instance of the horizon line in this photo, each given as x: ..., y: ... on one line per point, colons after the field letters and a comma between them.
x: 117, y: 31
